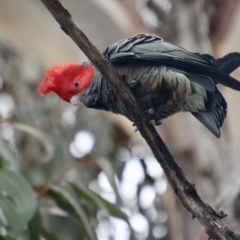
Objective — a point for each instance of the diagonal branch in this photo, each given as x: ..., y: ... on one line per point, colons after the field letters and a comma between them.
x: 185, y: 190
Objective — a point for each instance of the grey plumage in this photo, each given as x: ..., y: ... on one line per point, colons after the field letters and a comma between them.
x: 167, y: 79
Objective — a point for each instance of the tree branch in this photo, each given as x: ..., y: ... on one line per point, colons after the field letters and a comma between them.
x: 185, y: 190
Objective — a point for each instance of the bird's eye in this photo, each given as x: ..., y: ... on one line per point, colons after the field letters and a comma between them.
x: 76, y: 84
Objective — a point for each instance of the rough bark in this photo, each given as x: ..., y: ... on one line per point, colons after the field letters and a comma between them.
x: 185, y: 190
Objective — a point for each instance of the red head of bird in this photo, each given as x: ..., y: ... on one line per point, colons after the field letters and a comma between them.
x: 66, y: 80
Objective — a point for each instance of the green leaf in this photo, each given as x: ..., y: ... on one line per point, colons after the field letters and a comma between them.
x: 8, y: 155
x: 99, y: 202
x: 37, y: 230
x: 7, y: 238
x: 66, y: 199
x: 8, y: 209
x: 84, y: 193
x: 47, y: 234
x: 23, y: 201
x: 106, y: 166
x: 34, y: 227
x: 41, y: 136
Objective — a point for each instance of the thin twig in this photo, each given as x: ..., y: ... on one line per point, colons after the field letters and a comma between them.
x: 185, y: 190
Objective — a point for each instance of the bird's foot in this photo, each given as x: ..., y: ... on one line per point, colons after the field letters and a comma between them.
x: 150, y: 111
x: 136, y: 128
x: 152, y: 122
x: 155, y: 122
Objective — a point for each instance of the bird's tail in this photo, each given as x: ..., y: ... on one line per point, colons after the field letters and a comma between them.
x: 225, y: 65
x: 216, y: 110
x: 228, y: 63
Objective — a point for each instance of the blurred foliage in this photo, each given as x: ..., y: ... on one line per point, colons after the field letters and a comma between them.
x: 64, y: 170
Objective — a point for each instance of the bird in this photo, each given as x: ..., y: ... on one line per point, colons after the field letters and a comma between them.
x: 164, y: 78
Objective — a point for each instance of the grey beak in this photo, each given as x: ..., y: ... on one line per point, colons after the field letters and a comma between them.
x: 76, y: 100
